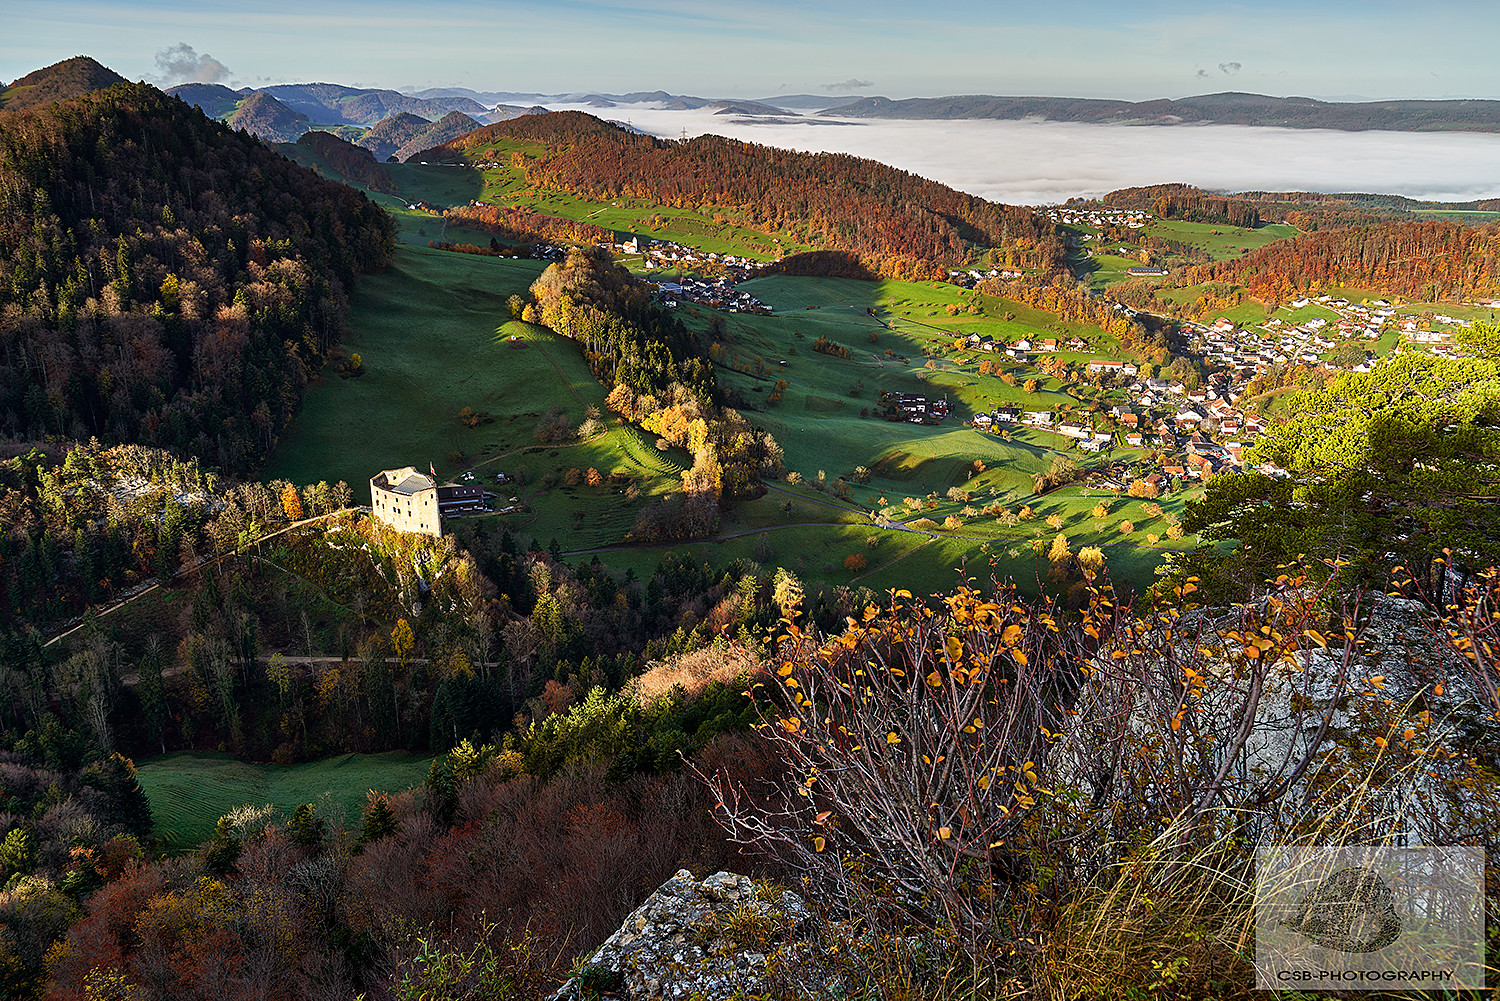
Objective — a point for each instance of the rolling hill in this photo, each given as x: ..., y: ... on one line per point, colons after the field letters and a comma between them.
x: 60, y: 81
x: 262, y: 115
x: 191, y: 275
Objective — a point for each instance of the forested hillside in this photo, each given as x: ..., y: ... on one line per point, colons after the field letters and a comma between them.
x: 1181, y: 201
x: 354, y: 164
x: 1430, y: 261
x: 392, y: 133
x: 901, y: 224
x: 164, y: 279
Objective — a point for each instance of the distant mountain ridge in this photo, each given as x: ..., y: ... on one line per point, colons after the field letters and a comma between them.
x: 334, y: 104
x: 61, y: 81
x: 330, y: 104
x: 1231, y: 108
x: 671, y: 102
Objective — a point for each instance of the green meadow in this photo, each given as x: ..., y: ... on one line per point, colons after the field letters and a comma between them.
x: 1217, y: 240
x: 190, y: 790
x: 1109, y: 262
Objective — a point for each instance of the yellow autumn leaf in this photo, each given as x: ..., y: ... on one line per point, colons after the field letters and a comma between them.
x: 819, y: 842
x: 891, y: 738
x: 1010, y: 635
x: 945, y: 833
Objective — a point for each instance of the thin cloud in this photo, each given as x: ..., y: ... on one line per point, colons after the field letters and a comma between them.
x: 849, y: 84
x: 1229, y: 69
x: 1201, y: 74
x: 181, y: 63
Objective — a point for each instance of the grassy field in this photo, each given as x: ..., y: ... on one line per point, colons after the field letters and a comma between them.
x: 190, y: 791
x: 1217, y: 240
x: 818, y: 421
x: 425, y: 333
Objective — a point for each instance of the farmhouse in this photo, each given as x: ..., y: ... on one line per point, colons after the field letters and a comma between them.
x: 1106, y: 365
x: 457, y: 498
x: 1145, y: 270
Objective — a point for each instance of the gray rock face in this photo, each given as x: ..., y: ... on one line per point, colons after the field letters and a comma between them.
x: 724, y: 937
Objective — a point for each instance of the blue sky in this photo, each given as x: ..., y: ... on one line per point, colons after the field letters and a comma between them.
x: 756, y: 48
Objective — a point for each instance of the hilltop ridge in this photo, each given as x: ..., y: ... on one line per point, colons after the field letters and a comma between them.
x: 67, y: 79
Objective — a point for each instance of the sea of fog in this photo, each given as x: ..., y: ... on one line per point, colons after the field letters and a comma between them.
x: 1036, y: 163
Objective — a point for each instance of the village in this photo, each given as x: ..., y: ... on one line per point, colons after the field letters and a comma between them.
x: 714, y: 287
x: 1186, y: 432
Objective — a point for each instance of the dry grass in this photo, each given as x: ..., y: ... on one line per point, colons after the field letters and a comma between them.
x: 696, y: 671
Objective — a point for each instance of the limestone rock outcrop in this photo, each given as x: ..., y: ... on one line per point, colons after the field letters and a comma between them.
x: 724, y: 937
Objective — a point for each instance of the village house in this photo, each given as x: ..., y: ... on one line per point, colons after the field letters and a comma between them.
x: 1187, y: 417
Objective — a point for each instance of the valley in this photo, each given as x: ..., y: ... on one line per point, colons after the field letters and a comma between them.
x: 407, y: 567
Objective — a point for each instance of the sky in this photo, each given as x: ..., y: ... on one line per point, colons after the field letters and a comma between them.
x: 1330, y: 49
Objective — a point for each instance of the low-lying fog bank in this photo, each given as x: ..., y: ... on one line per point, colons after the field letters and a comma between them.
x: 1044, y: 162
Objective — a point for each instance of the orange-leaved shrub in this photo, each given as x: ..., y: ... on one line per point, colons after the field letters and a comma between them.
x: 1070, y: 799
